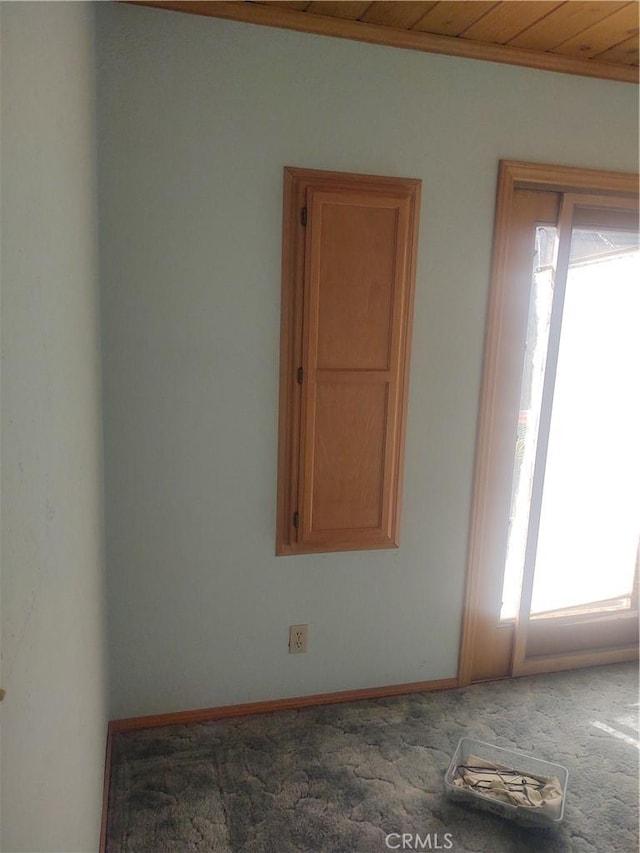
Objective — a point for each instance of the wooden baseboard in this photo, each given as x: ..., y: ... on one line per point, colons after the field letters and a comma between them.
x: 105, y: 792
x: 205, y: 715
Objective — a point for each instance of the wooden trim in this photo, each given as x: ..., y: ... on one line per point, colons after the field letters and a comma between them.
x: 206, y: 715
x: 290, y: 320
x: 405, y: 358
x: 105, y: 791
x: 275, y: 16
x: 481, y: 498
x: 558, y: 637
x: 576, y: 660
x: 578, y: 613
x: 541, y: 176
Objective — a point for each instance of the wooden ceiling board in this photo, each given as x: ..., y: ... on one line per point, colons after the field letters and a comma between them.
x: 287, y: 4
x: 507, y: 20
x: 341, y: 9
x: 612, y: 30
x: 399, y: 14
x: 620, y: 27
x: 452, y: 18
x: 564, y: 22
x: 626, y: 53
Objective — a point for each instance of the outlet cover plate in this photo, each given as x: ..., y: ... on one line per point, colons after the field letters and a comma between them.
x: 298, y: 636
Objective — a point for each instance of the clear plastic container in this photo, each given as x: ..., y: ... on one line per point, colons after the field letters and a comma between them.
x: 548, y: 817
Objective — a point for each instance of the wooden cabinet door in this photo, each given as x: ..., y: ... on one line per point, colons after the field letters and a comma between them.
x: 357, y: 271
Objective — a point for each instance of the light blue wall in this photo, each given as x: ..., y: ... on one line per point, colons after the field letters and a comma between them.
x: 197, y: 118
x: 53, y: 720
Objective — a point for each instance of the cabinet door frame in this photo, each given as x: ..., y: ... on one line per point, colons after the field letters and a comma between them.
x: 300, y: 187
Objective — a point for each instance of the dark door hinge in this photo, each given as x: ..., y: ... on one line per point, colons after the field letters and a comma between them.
x: 296, y: 519
x: 303, y: 216
x: 299, y: 375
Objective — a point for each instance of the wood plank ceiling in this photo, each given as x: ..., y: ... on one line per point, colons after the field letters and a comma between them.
x: 597, y: 38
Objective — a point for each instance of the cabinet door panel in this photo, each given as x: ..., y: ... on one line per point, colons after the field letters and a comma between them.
x: 348, y: 457
x: 356, y: 272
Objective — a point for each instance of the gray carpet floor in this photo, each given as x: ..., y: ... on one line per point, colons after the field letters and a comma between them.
x: 354, y: 777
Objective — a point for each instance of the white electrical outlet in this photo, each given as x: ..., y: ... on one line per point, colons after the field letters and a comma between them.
x: 298, y: 635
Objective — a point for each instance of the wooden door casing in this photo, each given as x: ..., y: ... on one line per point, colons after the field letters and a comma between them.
x: 529, y: 194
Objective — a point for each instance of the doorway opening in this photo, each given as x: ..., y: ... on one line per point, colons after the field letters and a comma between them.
x: 555, y: 535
